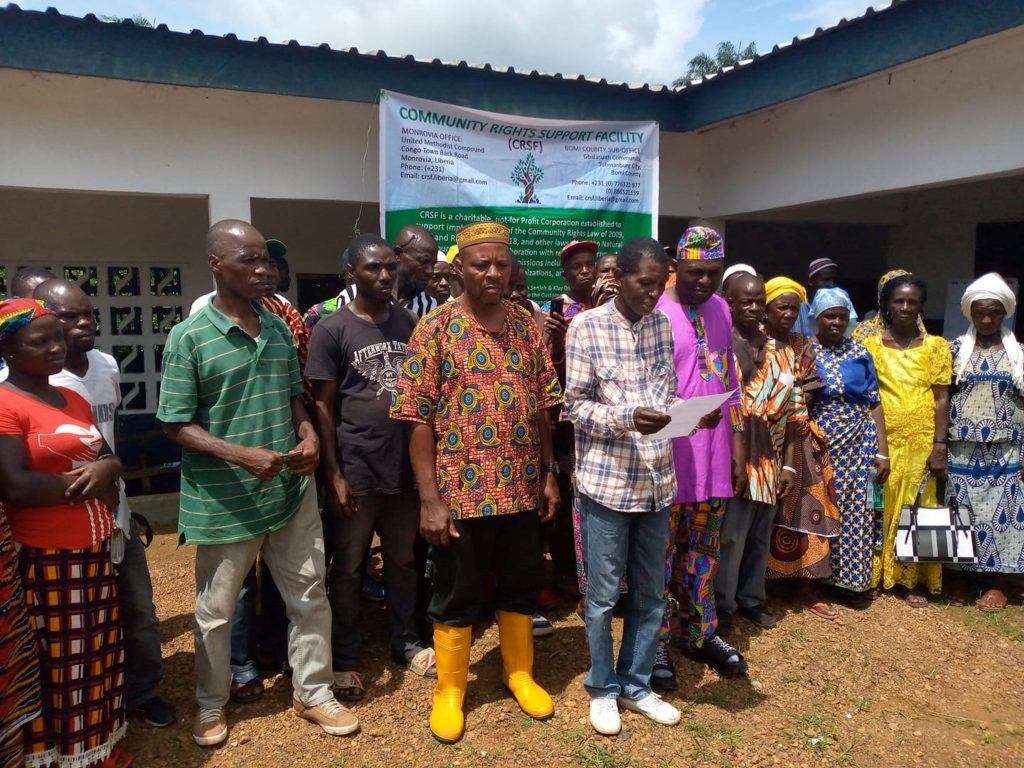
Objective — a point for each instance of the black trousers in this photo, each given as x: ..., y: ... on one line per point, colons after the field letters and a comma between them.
x: 507, y: 546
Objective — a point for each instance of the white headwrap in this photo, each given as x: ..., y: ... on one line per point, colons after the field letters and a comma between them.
x: 736, y: 269
x: 990, y: 286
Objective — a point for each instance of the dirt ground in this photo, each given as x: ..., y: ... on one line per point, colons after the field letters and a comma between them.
x: 886, y: 686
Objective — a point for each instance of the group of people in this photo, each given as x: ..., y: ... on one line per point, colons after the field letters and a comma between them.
x: 434, y: 404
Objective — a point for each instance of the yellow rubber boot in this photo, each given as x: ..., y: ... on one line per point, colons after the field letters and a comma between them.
x: 451, y: 647
x: 516, y: 632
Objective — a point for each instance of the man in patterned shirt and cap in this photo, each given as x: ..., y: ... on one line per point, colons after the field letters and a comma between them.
x: 477, y: 387
x: 710, y: 463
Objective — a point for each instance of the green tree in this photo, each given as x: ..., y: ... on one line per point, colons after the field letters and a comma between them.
x: 704, y: 64
x: 138, y: 19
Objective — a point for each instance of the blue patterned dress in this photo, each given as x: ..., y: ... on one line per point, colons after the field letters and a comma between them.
x: 986, y: 431
x: 842, y: 410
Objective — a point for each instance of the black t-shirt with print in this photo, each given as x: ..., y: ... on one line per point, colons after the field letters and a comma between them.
x: 365, y: 359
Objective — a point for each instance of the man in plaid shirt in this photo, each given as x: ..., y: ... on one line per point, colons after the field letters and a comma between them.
x: 620, y: 381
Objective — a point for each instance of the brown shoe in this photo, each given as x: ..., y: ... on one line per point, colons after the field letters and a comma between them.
x: 210, y: 728
x: 331, y: 716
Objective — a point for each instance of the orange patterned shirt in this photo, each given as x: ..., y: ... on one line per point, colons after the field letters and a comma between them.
x: 481, y: 392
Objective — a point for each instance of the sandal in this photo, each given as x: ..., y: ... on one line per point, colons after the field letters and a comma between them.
x: 916, y: 600
x: 246, y: 693
x: 423, y: 663
x: 823, y: 609
x: 992, y: 601
x: 348, y: 686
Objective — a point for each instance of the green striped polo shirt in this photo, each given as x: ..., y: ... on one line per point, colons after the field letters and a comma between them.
x: 218, y: 377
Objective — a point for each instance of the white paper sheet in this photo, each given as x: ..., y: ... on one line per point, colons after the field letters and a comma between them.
x: 687, y: 413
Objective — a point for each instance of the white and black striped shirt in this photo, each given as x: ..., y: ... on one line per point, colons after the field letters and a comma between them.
x: 419, y: 305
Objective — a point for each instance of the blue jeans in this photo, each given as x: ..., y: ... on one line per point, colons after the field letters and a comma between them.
x: 617, y: 544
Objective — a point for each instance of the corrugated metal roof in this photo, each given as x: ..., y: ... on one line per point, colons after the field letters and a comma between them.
x: 779, y: 47
x: 877, y: 40
x: 163, y: 28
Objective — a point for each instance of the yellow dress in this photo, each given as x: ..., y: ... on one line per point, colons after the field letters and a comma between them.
x: 905, y: 378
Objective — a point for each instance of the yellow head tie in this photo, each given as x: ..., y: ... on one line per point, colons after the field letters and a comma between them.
x: 778, y: 286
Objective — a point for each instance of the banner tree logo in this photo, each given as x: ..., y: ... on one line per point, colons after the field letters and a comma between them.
x: 526, y: 174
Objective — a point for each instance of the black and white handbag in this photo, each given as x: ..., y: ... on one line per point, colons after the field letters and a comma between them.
x: 935, y: 534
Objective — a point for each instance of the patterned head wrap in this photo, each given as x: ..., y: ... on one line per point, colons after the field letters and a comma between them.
x: 990, y: 286
x: 779, y: 286
x: 873, y: 326
x: 700, y: 244
x: 830, y: 298
x: 886, y: 278
x: 15, y: 314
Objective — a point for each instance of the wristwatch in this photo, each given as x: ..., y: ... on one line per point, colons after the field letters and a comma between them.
x: 551, y: 469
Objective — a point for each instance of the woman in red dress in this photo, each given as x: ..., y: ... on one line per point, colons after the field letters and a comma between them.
x: 58, y: 482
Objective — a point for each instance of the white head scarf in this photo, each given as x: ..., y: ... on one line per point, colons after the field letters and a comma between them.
x: 736, y: 269
x: 990, y: 286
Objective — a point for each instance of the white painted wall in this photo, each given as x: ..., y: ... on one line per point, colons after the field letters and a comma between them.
x: 951, y: 117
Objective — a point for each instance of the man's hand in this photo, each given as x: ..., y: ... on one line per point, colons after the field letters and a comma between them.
x: 436, y: 523
x: 340, y: 500
x: 305, y: 462
x: 260, y: 462
x: 710, y: 420
x: 555, y: 327
x: 550, y: 497
x: 787, y: 480
x: 647, y: 421
x: 739, y: 478
x: 937, y: 462
x: 94, y: 480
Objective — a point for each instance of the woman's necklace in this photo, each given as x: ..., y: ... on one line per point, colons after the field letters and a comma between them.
x: 901, y: 343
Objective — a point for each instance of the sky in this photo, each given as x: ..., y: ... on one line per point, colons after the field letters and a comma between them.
x: 649, y: 41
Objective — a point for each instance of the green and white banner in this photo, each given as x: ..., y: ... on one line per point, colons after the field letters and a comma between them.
x: 550, y: 181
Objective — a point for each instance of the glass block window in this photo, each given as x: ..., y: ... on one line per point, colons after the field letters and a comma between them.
x: 136, y: 307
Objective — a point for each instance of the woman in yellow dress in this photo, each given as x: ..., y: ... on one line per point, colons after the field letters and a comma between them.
x: 914, y: 370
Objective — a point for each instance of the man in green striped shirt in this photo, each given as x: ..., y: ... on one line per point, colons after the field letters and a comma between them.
x: 231, y: 397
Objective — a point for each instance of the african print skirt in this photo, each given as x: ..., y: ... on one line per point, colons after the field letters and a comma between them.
x: 19, y: 656
x: 852, y: 445
x: 808, y: 518
x: 986, y: 480
x: 72, y: 599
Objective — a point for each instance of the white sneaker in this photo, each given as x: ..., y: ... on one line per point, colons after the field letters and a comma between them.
x: 604, y: 716
x: 653, y: 707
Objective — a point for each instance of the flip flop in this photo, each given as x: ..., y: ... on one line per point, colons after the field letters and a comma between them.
x: 993, y: 601
x: 246, y: 693
x: 823, y: 610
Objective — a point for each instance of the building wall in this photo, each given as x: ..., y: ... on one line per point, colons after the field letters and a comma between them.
x: 936, y: 238
x: 948, y: 118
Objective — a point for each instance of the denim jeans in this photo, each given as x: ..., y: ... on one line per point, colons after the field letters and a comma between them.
x: 617, y: 544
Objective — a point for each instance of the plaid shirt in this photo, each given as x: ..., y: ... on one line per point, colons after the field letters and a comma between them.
x: 612, y: 368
